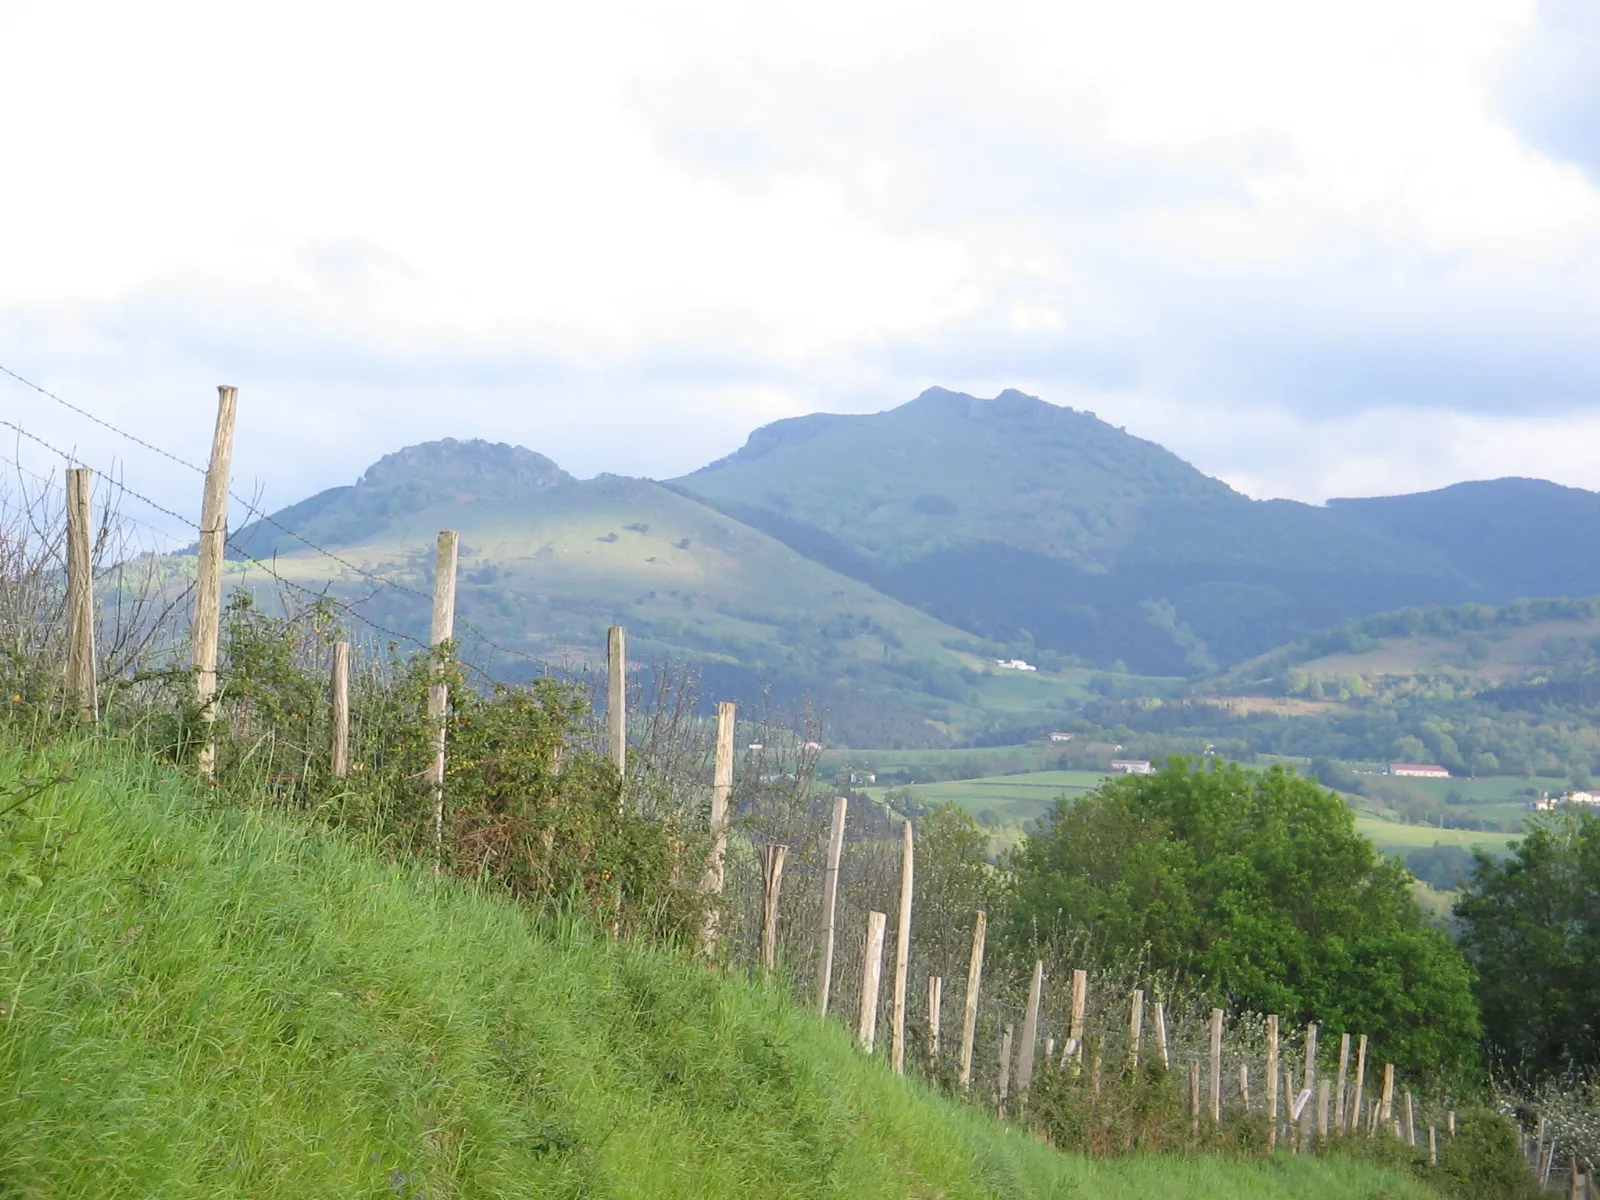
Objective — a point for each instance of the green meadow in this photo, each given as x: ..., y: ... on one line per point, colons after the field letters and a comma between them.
x: 206, y: 1001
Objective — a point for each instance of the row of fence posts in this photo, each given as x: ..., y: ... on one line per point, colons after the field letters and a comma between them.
x: 204, y: 630
x: 1542, y: 1155
x: 1346, y: 1102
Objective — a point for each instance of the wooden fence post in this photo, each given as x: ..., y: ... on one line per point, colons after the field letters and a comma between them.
x: 902, y: 957
x: 935, y: 1005
x: 1161, y: 1035
x: 1244, y: 1085
x: 871, y: 978
x: 339, y: 755
x: 1003, y: 1084
x: 1433, y: 1145
x: 969, y: 1017
x: 1216, y: 1066
x: 1386, y: 1112
x: 1080, y: 1002
x: 1310, y: 1083
x: 617, y: 698
x: 205, y: 633
x: 1030, y: 1031
x: 1322, y: 1108
x: 1194, y: 1096
x: 80, y: 595
x: 443, y: 629
x: 1135, y: 1027
x: 1272, y: 1081
x: 1411, y: 1121
x: 1339, y: 1095
x: 771, y: 883
x: 830, y: 897
x: 1359, y: 1093
x: 721, y: 790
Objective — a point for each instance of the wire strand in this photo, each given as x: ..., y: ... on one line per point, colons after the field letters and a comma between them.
x: 260, y: 516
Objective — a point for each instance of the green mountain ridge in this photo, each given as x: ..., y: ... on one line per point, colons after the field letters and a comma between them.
x: 877, y: 561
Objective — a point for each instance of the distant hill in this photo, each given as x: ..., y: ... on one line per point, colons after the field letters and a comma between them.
x: 885, y: 559
x: 1510, y: 537
x: 1015, y: 518
x: 549, y: 561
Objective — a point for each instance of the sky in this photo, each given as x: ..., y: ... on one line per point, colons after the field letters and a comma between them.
x: 1318, y: 249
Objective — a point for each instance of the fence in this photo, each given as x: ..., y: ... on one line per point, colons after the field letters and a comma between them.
x: 801, y: 891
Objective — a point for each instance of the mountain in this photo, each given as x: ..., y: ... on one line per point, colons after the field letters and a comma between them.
x: 882, y: 560
x: 1511, y: 537
x: 1016, y: 519
x: 549, y: 561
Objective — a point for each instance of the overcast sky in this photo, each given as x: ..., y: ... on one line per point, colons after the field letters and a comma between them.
x: 1319, y: 249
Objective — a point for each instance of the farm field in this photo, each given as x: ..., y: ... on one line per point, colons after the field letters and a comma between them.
x: 1398, y: 837
x: 1005, y: 803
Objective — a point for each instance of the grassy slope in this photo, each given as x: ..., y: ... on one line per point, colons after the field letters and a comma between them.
x: 690, y: 573
x: 225, y: 1004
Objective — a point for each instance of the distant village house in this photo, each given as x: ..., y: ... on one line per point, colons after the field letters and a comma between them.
x: 1418, y: 770
x: 1132, y: 766
x: 1060, y: 737
x: 1015, y: 664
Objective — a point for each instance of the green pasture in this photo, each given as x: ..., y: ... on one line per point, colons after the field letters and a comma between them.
x: 204, y: 1000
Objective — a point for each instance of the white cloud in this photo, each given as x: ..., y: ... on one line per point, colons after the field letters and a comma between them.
x: 625, y: 235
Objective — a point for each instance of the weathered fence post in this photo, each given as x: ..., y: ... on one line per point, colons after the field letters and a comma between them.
x: 721, y: 791
x: 1433, y: 1145
x: 1030, y: 1032
x: 1161, y: 1035
x: 1272, y: 1081
x: 1386, y: 1112
x: 830, y: 897
x: 1310, y: 1083
x: 80, y: 595
x: 205, y: 633
x: 1003, y: 1084
x: 1135, y: 1027
x: 1339, y: 1096
x: 969, y: 1017
x: 771, y: 883
x: 871, y: 978
x: 1216, y: 1066
x: 1080, y: 1001
x: 339, y: 755
x: 1244, y: 1085
x: 902, y: 956
x: 1359, y: 1089
x: 1194, y: 1096
x: 1322, y: 1108
x: 1411, y: 1121
x: 443, y: 629
x: 935, y: 1006
x: 617, y: 698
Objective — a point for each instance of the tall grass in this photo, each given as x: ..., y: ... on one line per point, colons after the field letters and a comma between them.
x: 210, y: 1001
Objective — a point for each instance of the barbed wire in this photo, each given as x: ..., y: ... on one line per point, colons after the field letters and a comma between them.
x: 264, y: 567
x: 261, y: 515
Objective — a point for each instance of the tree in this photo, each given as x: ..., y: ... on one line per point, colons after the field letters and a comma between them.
x: 1408, y: 749
x: 1531, y: 927
x: 1257, y: 885
x: 1485, y: 763
x: 954, y: 880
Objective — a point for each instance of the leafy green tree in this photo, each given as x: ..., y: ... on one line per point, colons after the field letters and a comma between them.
x: 1258, y: 886
x: 1531, y: 926
x: 954, y: 880
x: 1408, y: 749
